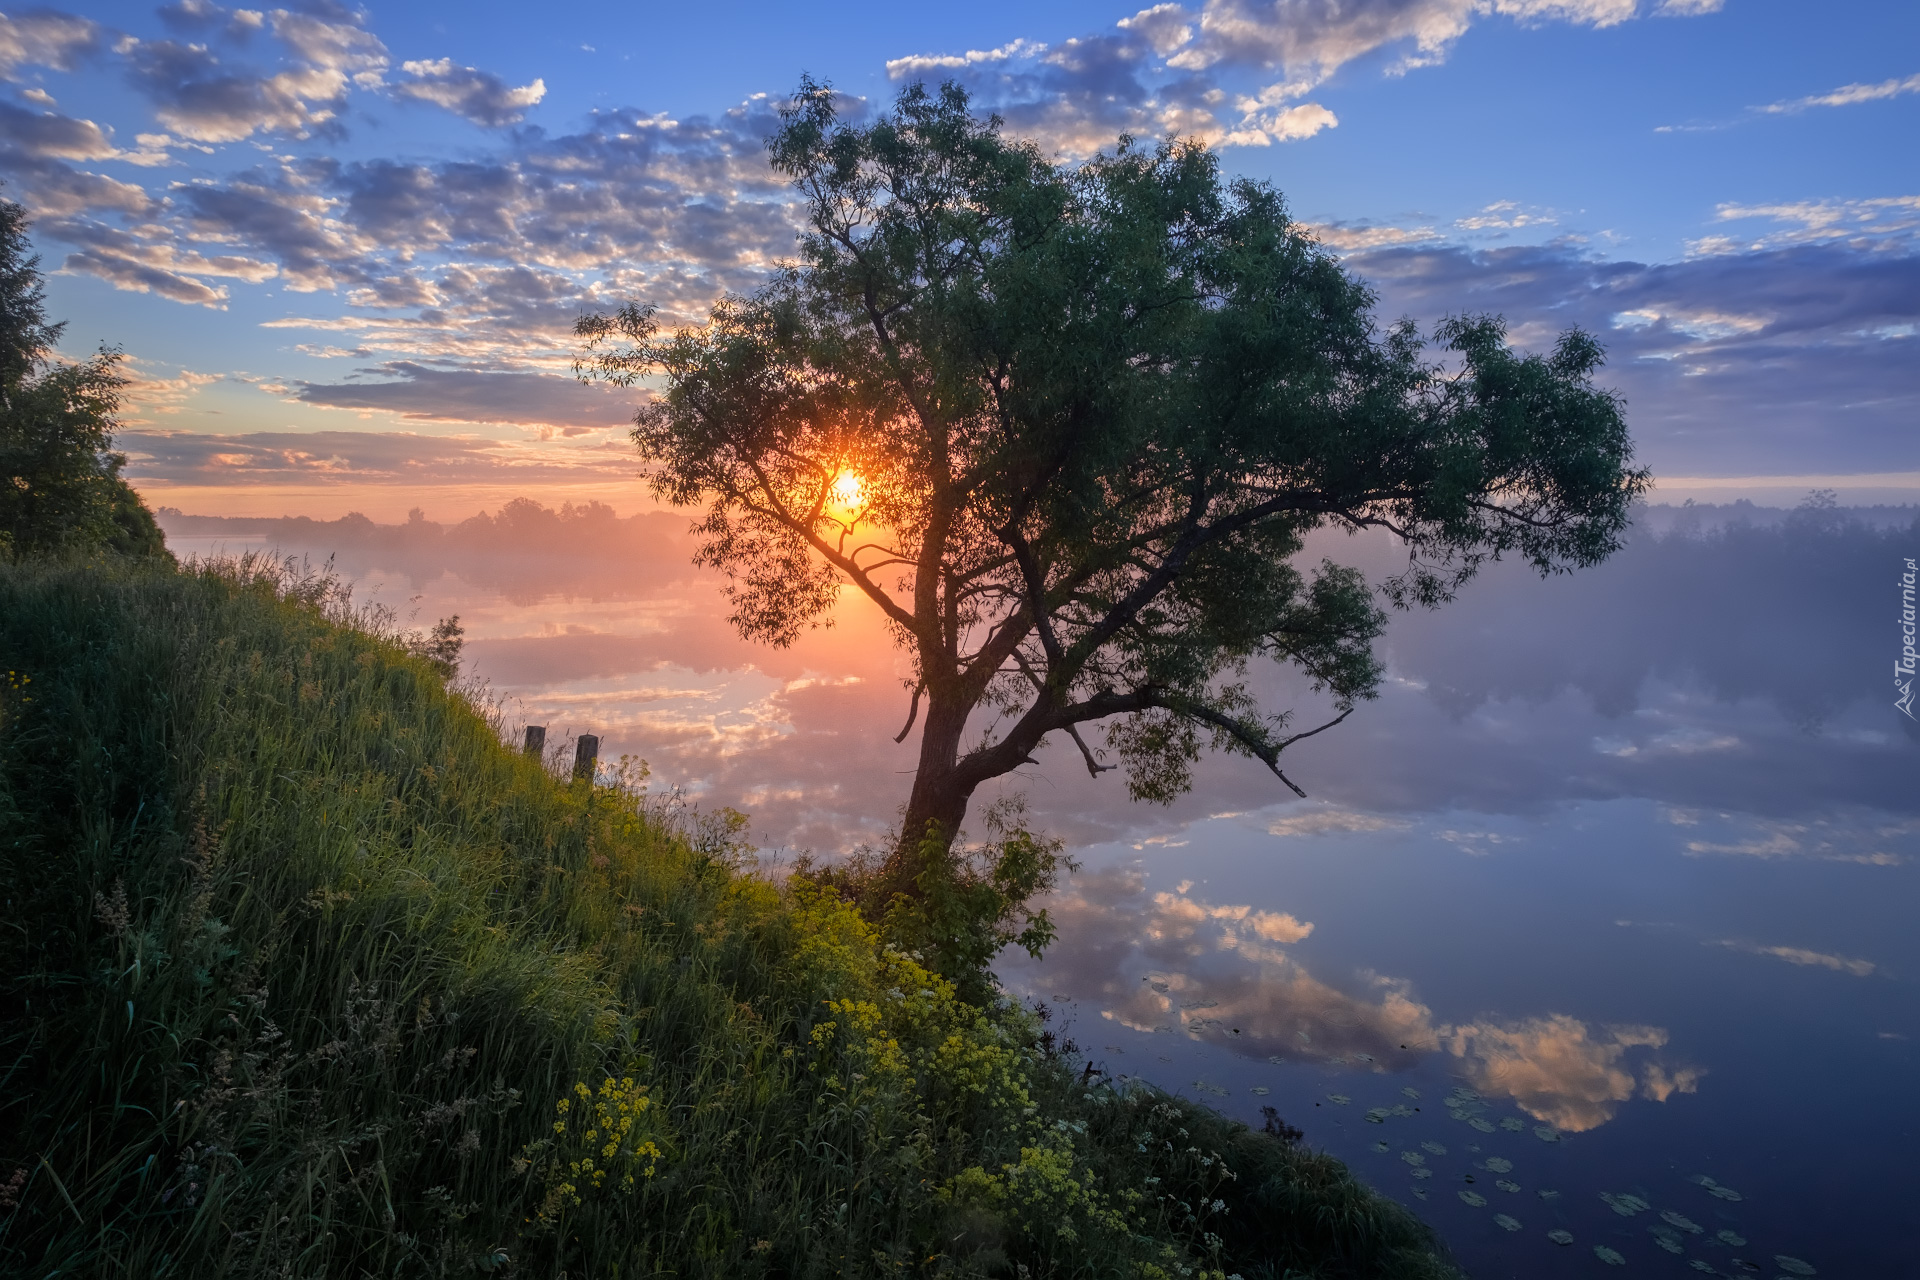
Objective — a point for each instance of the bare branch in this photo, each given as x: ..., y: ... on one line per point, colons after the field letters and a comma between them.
x: 913, y: 713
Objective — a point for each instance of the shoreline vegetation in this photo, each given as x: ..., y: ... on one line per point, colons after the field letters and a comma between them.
x: 306, y: 973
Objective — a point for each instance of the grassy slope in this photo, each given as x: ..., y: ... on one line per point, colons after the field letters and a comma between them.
x: 302, y: 973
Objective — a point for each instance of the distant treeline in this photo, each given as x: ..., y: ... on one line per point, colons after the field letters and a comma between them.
x: 1696, y: 517
x: 522, y: 526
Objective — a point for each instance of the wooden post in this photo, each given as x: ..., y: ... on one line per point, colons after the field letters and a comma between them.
x: 536, y: 745
x: 586, y: 752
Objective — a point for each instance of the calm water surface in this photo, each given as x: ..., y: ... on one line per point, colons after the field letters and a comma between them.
x: 1599, y: 921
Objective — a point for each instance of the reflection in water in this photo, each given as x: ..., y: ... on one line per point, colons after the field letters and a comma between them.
x: 1560, y: 1070
x: 1692, y: 736
x: 1169, y: 963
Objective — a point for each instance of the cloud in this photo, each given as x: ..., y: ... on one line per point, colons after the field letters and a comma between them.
x: 195, y: 98
x: 50, y: 135
x: 359, y: 458
x: 477, y: 96
x: 1170, y: 964
x: 43, y: 37
x: 1842, y: 837
x: 424, y: 393
x: 1318, y: 37
x: 1325, y: 821
x: 1790, y: 356
x: 1171, y: 71
x: 202, y: 17
x: 1881, y: 223
x: 1563, y: 1071
x: 1846, y: 95
x: 1804, y: 956
x: 133, y: 276
x: 149, y: 394
x: 1504, y: 215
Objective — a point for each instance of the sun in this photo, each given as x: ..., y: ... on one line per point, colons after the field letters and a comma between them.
x: 849, y: 493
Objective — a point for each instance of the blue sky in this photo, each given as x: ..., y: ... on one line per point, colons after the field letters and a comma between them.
x: 344, y: 245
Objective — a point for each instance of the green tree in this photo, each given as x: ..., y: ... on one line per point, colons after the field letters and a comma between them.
x: 1067, y: 426
x: 60, y: 482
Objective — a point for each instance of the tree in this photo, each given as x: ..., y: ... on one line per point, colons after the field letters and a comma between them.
x: 1067, y: 426
x: 60, y: 482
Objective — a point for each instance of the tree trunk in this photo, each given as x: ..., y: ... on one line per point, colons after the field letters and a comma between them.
x: 938, y: 795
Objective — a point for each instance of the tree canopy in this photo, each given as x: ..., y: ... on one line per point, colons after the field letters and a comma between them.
x: 60, y: 482
x: 1067, y: 427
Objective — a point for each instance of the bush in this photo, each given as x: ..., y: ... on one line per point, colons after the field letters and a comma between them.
x: 305, y: 973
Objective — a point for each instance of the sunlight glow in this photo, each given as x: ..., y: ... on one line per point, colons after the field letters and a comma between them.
x: 848, y: 491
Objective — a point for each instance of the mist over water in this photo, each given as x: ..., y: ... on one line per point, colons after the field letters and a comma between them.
x: 1622, y: 862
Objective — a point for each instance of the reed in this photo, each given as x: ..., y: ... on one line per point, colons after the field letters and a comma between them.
x: 304, y: 973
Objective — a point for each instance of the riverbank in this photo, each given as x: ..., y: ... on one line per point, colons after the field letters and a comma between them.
x: 308, y: 973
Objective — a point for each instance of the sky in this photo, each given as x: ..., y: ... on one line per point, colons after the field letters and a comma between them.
x: 343, y: 247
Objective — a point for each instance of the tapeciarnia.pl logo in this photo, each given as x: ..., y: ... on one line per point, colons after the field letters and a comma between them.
x: 1903, y: 669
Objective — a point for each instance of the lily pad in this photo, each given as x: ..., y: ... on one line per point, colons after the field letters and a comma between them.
x: 1411, y: 1092
x: 1513, y: 1124
x: 1400, y: 1109
x: 1681, y: 1221
x: 1433, y: 1148
x: 1413, y: 1157
x: 1713, y: 1188
x: 1260, y: 1091
x: 1420, y: 1193
x: 1338, y: 1099
x: 1378, y: 1115
x: 1481, y: 1125
x: 1473, y: 1198
x: 1494, y: 1164
x: 1700, y: 1264
x: 1381, y: 1147
x: 1505, y: 1223
x: 1793, y: 1265
x: 1559, y: 1236
x: 1461, y: 1091
x: 1423, y: 1172
x: 1669, y: 1244
x: 1608, y: 1256
x: 1507, y: 1185
x: 1733, y: 1238
x: 1548, y: 1195
x: 1625, y: 1206
x: 1546, y: 1134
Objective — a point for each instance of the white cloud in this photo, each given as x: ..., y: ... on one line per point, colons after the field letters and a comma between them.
x: 1805, y: 956
x: 48, y: 39
x: 474, y: 95
x: 1505, y: 215
x: 1328, y: 821
x: 918, y: 66
x: 1877, y: 222
x: 1846, y: 96
x: 345, y: 47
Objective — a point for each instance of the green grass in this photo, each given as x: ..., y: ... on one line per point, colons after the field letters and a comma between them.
x: 303, y: 973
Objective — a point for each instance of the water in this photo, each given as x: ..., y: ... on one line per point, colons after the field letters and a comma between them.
x: 1623, y: 863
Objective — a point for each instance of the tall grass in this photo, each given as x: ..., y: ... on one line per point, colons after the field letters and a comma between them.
x: 302, y: 973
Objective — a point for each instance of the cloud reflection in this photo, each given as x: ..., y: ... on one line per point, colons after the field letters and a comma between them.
x: 1563, y: 1071
x: 1169, y: 963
